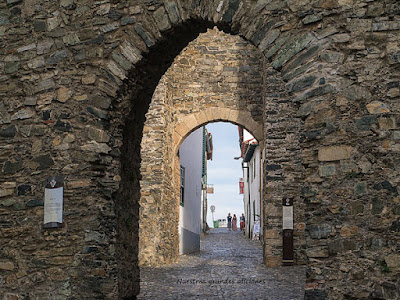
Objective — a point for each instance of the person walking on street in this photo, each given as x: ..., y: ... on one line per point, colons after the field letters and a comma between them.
x: 242, y: 222
x: 229, y: 218
x: 234, y: 223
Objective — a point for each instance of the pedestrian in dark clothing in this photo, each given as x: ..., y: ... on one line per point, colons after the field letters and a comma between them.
x: 229, y: 222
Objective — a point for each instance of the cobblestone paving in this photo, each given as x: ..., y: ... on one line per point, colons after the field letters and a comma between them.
x: 229, y: 266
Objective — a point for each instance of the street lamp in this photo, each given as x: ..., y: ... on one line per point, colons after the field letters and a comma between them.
x: 212, y: 208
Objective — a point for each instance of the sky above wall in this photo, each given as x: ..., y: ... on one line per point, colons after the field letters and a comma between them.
x: 224, y: 172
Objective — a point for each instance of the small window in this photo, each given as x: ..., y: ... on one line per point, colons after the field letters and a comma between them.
x: 251, y: 171
x: 182, y: 197
x: 254, y: 168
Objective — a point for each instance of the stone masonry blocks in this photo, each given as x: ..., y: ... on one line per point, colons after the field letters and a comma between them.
x: 44, y: 133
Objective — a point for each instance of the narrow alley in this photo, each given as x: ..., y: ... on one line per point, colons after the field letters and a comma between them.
x: 229, y: 266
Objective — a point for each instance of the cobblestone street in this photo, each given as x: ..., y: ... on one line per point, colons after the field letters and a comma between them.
x: 229, y: 266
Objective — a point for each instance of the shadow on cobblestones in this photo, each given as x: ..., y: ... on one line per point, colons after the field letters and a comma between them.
x: 228, y: 266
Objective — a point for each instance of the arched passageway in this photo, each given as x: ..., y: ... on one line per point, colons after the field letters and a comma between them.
x: 217, y: 77
x: 203, y: 85
x: 77, y: 78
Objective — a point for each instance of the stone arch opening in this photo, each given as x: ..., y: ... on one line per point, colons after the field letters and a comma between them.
x: 202, y: 85
x: 231, y: 118
x: 143, y: 77
x: 77, y: 81
x: 279, y: 55
x: 189, y: 154
x: 140, y: 242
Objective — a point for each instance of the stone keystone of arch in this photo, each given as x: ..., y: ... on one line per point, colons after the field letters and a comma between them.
x: 215, y: 114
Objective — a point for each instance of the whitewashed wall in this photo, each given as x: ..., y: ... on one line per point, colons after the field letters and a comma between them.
x: 190, y: 154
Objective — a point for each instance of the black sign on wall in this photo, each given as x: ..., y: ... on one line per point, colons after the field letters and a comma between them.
x: 287, y: 226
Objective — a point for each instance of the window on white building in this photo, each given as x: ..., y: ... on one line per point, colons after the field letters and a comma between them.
x: 251, y: 170
x: 254, y: 168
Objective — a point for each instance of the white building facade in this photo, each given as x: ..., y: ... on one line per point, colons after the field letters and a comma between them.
x: 193, y: 196
x: 252, y: 178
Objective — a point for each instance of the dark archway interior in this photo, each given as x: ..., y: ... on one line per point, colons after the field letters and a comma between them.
x: 139, y: 88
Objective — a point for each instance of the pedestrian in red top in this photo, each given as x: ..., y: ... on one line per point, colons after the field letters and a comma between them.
x: 242, y: 222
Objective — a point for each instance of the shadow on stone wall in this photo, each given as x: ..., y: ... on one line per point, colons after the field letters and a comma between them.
x: 139, y: 89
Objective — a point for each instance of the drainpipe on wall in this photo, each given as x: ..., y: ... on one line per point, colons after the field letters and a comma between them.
x: 260, y: 190
x: 249, y: 206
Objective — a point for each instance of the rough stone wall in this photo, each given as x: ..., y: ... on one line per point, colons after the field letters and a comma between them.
x: 283, y: 171
x: 216, y: 70
x: 350, y: 187
x: 77, y: 78
x: 156, y: 194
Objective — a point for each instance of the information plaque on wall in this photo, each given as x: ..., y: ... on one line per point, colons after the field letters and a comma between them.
x: 287, y: 226
x: 256, y: 230
x: 53, y: 202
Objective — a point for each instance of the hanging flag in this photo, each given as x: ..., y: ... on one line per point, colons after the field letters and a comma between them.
x: 241, y: 186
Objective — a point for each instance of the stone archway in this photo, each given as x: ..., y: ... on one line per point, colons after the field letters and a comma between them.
x: 82, y: 75
x: 192, y: 93
x: 173, y: 114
